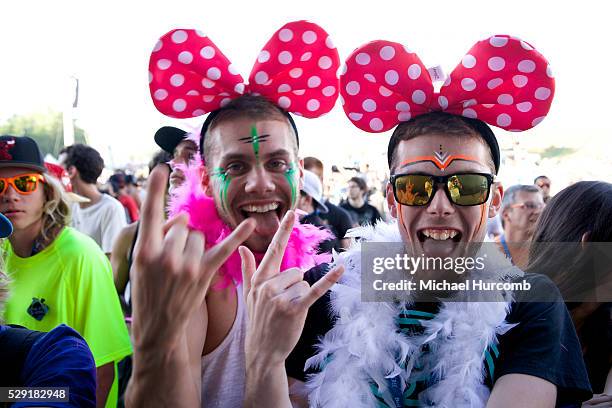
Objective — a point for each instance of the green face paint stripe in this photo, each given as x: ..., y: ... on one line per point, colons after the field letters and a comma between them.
x: 224, y: 180
x: 290, y: 176
x: 255, y: 140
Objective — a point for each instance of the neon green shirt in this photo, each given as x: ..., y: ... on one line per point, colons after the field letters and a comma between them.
x: 75, y: 278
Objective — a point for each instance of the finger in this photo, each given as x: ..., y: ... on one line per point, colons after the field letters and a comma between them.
x: 152, y: 212
x: 271, y: 262
x: 174, y: 243
x: 322, y: 286
x: 248, y: 269
x: 279, y: 283
x: 295, y: 292
x: 218, y: 254
x: 172, y: 221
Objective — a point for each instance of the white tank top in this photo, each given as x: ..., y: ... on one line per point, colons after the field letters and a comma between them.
x: 224, y: 368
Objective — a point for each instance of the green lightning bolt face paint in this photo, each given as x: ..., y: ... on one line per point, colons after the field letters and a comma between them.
x: 224, y: 182
x: 255, y: 139
x: 290, y: 175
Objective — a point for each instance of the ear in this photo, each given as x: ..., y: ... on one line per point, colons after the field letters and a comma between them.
x: 392, y: 205
x: 206, y: 182
x: 496, y: 199
x: 72, y: 171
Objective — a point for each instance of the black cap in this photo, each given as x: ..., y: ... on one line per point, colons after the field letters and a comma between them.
x: 21, y: 151
x: 169, y: 137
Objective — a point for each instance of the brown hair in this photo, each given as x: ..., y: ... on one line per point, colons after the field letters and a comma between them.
x: 312, y: 162
x: 435, y: 123
x: 247, y: 106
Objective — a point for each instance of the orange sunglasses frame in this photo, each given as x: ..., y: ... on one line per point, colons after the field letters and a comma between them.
x: 11, y: 181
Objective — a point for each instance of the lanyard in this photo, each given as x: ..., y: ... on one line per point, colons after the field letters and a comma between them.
x: 502, y: 240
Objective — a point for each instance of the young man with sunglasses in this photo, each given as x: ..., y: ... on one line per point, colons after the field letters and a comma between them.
x: 435, y: 347
x: 441, y: 352
x: 58, y: 275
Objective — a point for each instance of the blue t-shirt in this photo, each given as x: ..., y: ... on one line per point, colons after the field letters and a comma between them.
x: 60, y: 358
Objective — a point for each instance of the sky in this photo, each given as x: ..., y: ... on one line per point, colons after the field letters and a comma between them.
x: 107, y: 46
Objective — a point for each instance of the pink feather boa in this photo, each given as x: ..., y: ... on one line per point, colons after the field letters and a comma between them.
x: 301, y: 250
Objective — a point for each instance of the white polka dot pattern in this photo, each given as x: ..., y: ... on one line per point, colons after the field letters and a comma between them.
x: 501, y: 80
x: 189, y: 76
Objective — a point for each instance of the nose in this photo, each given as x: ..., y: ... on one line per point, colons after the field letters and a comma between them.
x: 440, y: 206
x: 259, y: 182
x: 10, y: 194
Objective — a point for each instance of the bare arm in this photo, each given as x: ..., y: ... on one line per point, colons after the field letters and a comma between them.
x: 119, y: 257
x: 521, y: 390
x: 171, y: 265
x: 105, y: 375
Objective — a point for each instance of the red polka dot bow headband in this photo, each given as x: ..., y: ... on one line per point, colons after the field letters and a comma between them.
x: 189, y: 76
x: 502, y: 81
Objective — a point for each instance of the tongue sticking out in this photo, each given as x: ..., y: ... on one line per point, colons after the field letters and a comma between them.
x: 439, y: 248
x: 267, y: 222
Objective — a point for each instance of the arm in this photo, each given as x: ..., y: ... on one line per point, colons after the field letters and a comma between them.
x: 170, y: 263
x: 119, y: 257
x: 520, y: 390
x: 105, y: 376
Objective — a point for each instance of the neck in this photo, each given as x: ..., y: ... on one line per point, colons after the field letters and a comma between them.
x: 87, y: 190
x: 517, y: 236
x: 518, y: 245
x: 22, y: 240
x: 356, y: 202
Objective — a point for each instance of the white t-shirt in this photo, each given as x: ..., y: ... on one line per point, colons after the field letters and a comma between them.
x: 102, y: 221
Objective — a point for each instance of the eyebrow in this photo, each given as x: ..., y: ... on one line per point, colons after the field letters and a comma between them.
x: 246, y: 157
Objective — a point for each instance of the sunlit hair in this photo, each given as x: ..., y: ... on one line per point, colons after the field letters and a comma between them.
x: 56, y: 210
x: 4, y: 281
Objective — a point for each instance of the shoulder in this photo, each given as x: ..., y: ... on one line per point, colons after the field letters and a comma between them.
x: 108, y: 203
x: 75, y: 243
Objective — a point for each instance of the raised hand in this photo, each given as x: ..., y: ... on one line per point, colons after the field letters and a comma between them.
x: 172, y: 271
x: 277, y: 302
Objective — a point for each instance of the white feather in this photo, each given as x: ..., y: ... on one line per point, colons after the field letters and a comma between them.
x: 365, y: 347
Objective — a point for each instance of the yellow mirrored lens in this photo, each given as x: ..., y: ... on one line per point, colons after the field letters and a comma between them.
x: 413, y: 189
x: 468, y: 189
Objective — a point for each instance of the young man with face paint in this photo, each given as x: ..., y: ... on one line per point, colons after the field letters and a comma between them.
x: 241, y: 191
x: 427, y: 348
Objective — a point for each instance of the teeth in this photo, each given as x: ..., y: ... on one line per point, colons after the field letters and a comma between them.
x: 439, y: 235
x: 260, y: 208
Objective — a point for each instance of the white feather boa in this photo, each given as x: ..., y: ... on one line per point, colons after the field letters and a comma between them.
x: 365, y: 345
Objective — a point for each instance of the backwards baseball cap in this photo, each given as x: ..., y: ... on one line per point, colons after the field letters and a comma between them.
x: 312, y: 187
x: 169, y: 137
x: 21, y: 151
x: 6, y: 228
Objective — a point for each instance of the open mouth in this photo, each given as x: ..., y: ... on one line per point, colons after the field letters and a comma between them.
x: 439, y: 234
x: 254, y: 210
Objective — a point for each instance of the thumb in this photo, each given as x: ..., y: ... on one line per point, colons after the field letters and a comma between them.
x: 248, y: 269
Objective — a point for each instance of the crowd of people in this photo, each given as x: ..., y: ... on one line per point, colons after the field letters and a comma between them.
x: 233, y: 281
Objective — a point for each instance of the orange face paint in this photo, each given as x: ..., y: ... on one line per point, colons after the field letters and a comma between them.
x: 441, y: 161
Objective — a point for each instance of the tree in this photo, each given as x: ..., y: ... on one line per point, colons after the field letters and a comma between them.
x: 44, y: 127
